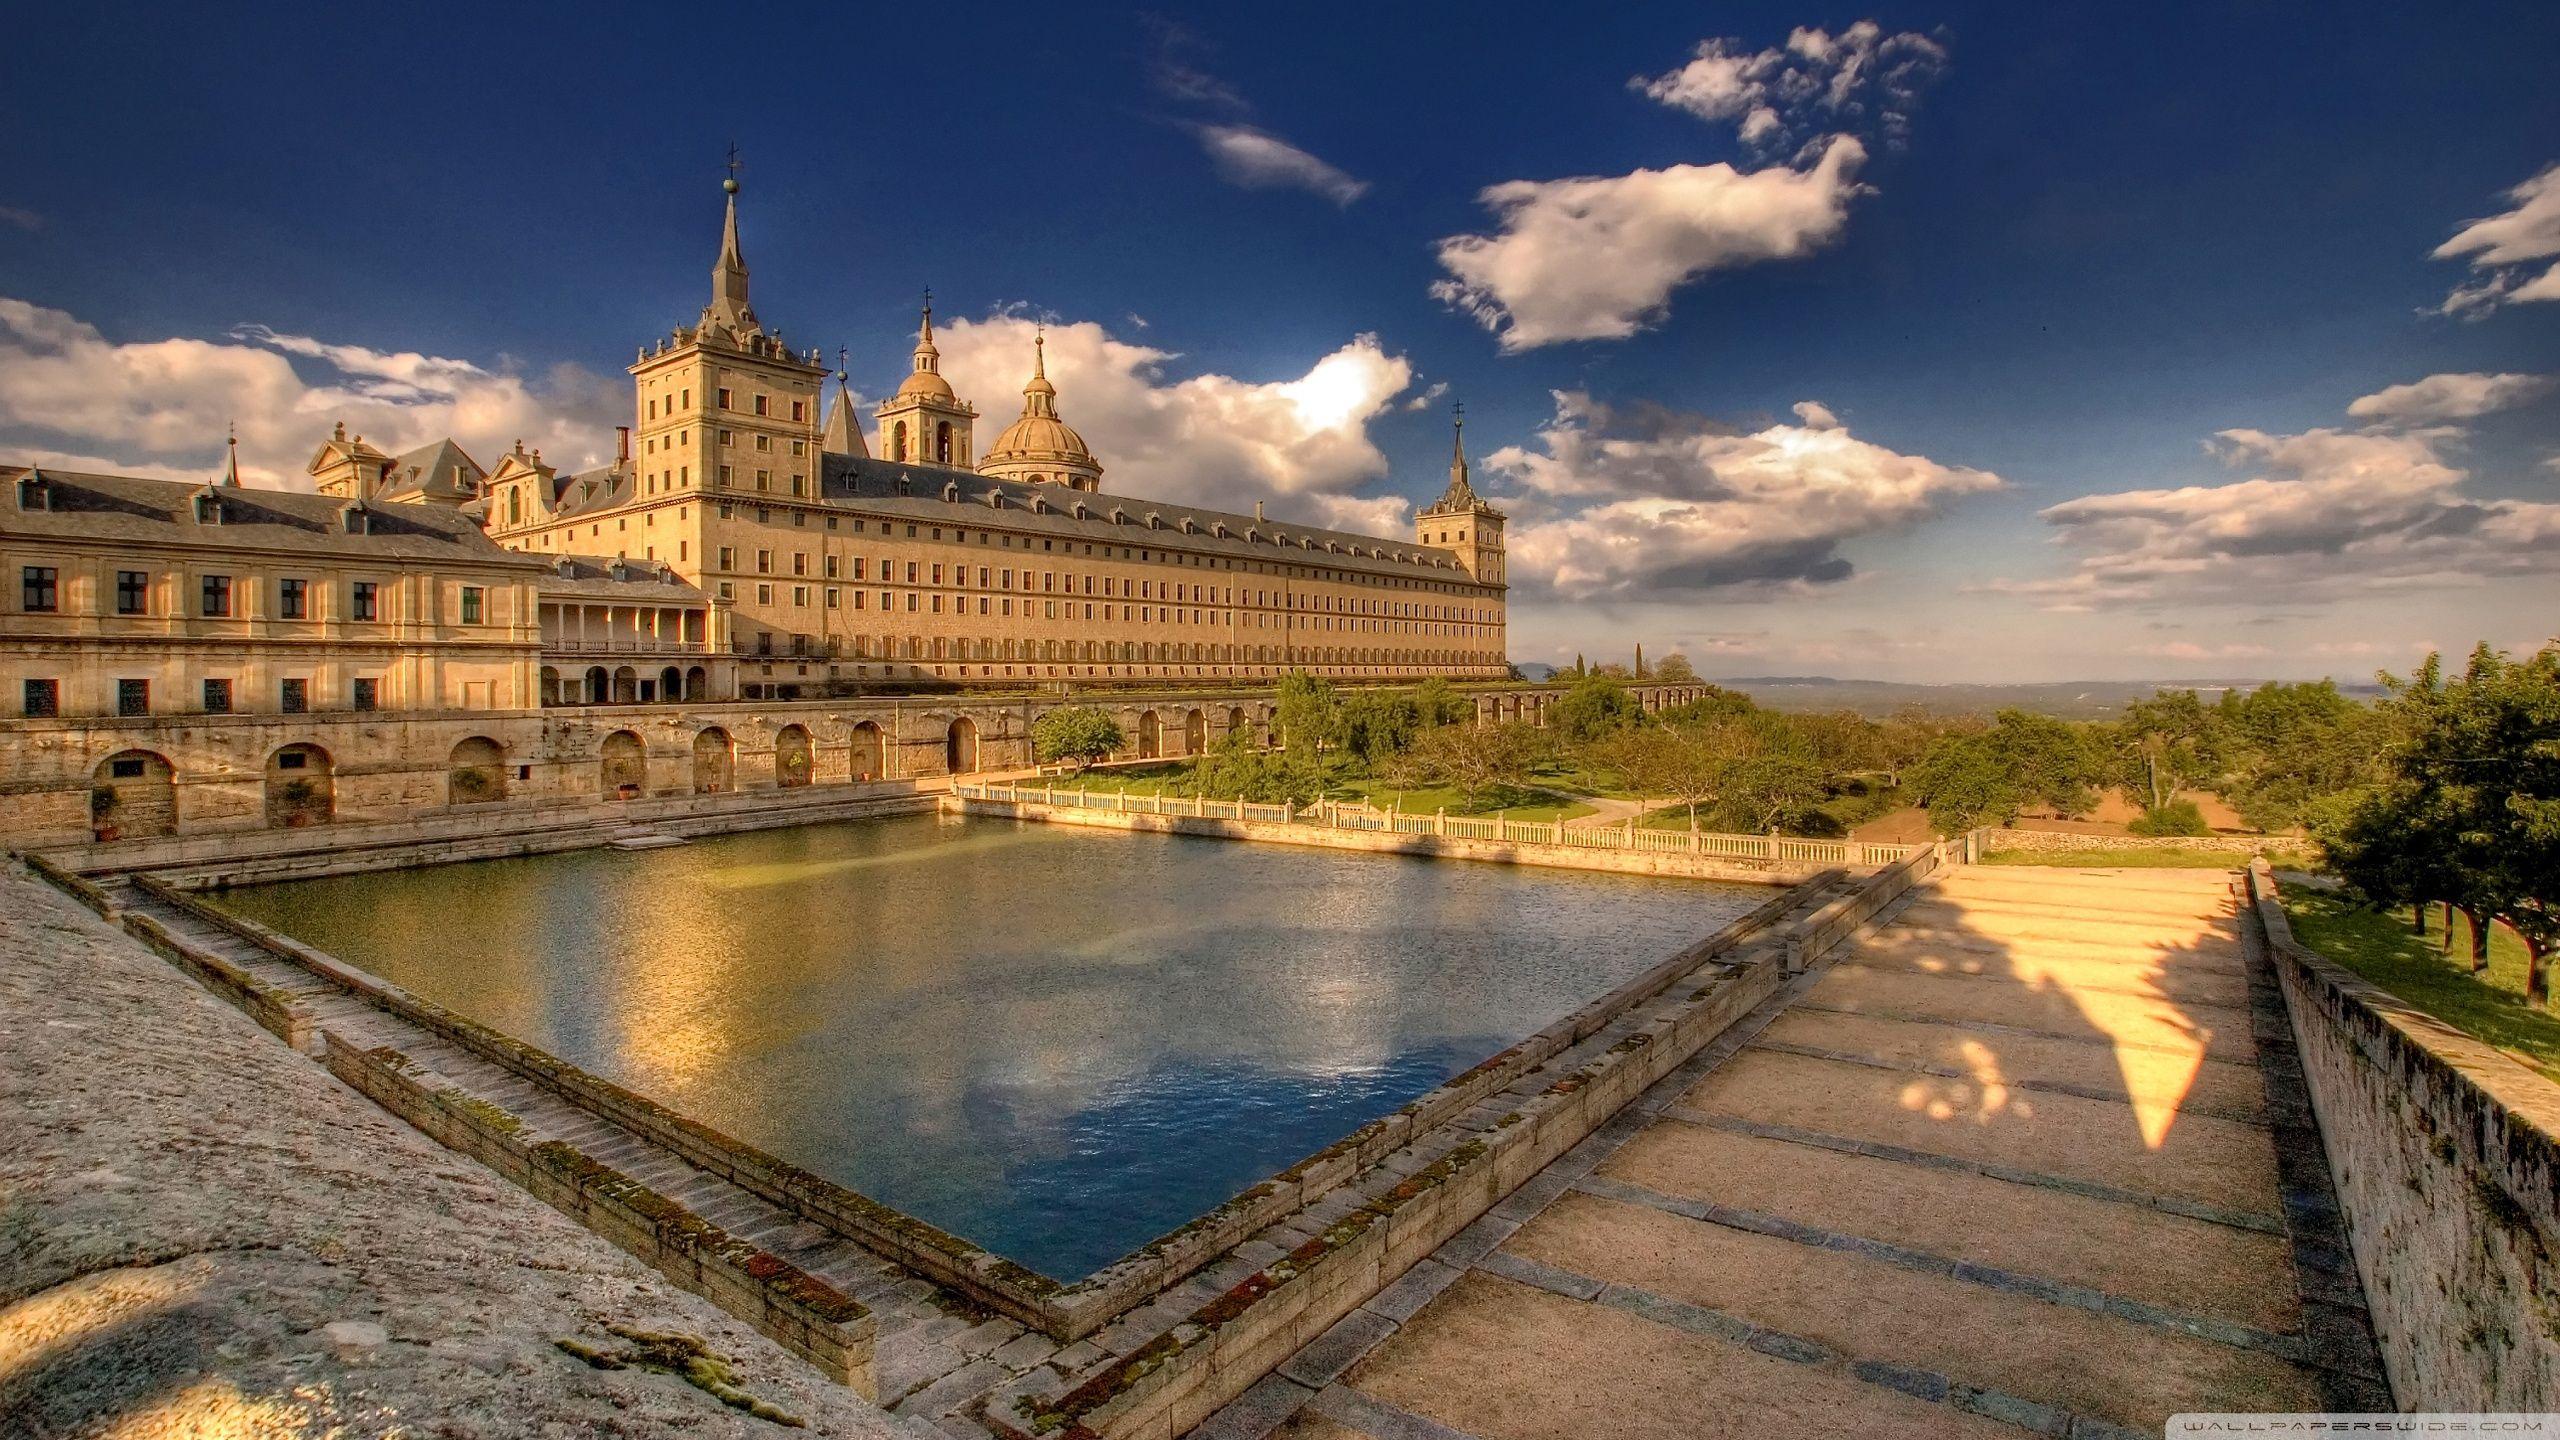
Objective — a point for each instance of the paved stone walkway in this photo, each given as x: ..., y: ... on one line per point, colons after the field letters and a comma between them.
x: 2031, y: 1158
x: 203, y: 1233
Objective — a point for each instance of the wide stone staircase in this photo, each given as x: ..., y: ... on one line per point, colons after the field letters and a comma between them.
x: 2032, y: 1158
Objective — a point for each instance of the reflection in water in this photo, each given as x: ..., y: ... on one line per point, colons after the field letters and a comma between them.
x: 1057, y: 1043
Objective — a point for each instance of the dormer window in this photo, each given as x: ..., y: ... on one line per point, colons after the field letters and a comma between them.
x: 1039, y: 504
x: 1081, y: 512
x: 356, y: 519
x: 35, y: 492
x: 208, y: 508
x: 995, y: 499
x: 951, y: 492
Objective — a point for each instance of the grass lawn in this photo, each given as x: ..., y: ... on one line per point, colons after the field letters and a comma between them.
x: 2100, y: 856
x: 1145, y: 780
x: 2380, y: 946
x: 1513, y: 804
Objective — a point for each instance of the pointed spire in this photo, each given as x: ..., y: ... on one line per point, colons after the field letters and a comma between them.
x: 928, y: 359
x: 1039, y: 397
x: 843, y: 432
x: 1460, y: 495
x: 729, y: 273
x: 232, y: 476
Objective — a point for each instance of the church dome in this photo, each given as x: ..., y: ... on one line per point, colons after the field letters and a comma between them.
x: 925, y: 382
x: 1039, y: 437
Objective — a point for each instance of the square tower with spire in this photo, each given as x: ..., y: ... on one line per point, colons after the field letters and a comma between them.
x: 1460, y: 521
x: 723, y: 404
x: 925, y: 423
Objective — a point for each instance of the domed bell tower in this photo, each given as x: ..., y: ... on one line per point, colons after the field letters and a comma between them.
x: 925, y: 423
x: 1040, y: 448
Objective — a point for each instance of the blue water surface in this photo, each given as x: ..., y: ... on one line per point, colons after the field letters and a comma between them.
x: 1057, y: 1043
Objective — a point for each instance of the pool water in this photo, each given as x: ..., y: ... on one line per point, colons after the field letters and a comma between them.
x: 1057, y: 1043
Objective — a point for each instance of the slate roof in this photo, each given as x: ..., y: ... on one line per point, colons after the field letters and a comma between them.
x: 592, y: 577
x: 129, y: 508
x: 873, y: 487
x: 438, y: 469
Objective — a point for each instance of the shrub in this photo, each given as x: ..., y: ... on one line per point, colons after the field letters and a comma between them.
x: 2178, y: 817
x: 1078, y: 733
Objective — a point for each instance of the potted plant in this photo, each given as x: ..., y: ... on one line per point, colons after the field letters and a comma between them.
x: 298, y: 796
x: 103, y: 803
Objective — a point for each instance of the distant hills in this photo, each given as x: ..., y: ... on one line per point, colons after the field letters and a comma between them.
x: 2069, y: 699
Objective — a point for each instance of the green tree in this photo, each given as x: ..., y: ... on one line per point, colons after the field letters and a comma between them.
x: 1595, y: 706
x: 1674, y: 669
x: 1963, y: 782
x: 1437, y: 702
x: 1377, y: 724
x: 2287, y: 749
x: 1772, y: 787
x: 2470, y: 811
x: 1237, y: 767
x: 1474, y: 759
x: 1082, y: 734
x: 2166, y: 744
x: 1310, y: 714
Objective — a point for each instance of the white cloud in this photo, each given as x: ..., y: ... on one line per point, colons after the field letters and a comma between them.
x: 1425, y: 400
x: 1641, y: 502
x: 1259, y: 160
x: 2440, y: 398
x: 2328, y: 514
x: 1816, y: 415
x: 1597, y: 257
x: 1214, y: 440
x: 2190, y: 650
x: 70, y: 397
x: 1859, y: 74
x: 2508, y: 248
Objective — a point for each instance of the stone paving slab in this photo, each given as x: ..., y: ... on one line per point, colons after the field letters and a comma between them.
x: 2175, y: 1078
x: 1504, y: 1361
x: 2120, y: 1371
x: 2199, y: 1158
x: 2171, y: 1260
x: 2153, y: 978
x: 2218, y: 1031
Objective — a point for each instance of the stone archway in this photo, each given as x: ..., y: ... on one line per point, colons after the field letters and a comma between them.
x: 795, y: 761
x: 599, y: 686
x: 302, y: 787
x: 624, y: 773
x: 697, y: 683
x: 960, y: 746
x: 1195, y: 732
x: 715, y: 760
x: 1150, y: 735
x: 1235, y: 720
x: 133, y: 795
x: 671, y: 684
x: 476, y: 772
x: 626, y: 686
x: 870, y: 752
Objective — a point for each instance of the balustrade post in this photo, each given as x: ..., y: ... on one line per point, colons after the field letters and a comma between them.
x: 1440, y: 821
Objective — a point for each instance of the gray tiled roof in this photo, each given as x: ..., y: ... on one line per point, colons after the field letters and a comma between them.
x: 440, y: 468
x: 592, y: 577
x: 129, y: 508
x: 874, y: 487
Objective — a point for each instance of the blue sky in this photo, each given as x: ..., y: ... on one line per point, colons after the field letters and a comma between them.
x: 2014, y: 258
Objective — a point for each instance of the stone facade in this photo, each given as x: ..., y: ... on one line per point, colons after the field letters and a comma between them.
x: 197, y: 774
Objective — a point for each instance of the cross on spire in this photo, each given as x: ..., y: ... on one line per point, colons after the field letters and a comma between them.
x: 735, y: 165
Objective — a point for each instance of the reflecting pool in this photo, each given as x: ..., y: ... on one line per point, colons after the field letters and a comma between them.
x: 1059, y: 1043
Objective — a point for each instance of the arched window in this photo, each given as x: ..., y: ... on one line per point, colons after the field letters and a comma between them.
x: 898, y: 441
x: 942, y: 443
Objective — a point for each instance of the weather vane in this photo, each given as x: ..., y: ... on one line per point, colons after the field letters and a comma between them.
x: 735, y: 165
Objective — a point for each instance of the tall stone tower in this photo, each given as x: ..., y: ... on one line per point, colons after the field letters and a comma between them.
x: 722, y: 404
x: 925, y: 423
x: 1460, y: 521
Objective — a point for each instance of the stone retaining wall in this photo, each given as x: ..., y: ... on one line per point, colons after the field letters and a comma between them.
x: 803, y: 1314
x: 2446, y: 1164
x: 1446, y: 847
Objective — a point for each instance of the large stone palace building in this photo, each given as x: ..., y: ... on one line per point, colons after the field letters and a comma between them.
x: 917, y: 554
x: 420, y: 631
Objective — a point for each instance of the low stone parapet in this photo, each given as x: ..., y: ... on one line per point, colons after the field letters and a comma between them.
x: 2447, y: 1166
x: 806, y: 1316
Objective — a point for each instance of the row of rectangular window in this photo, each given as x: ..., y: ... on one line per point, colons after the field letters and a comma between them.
x: 43, y: 698
x: 40, y: 593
